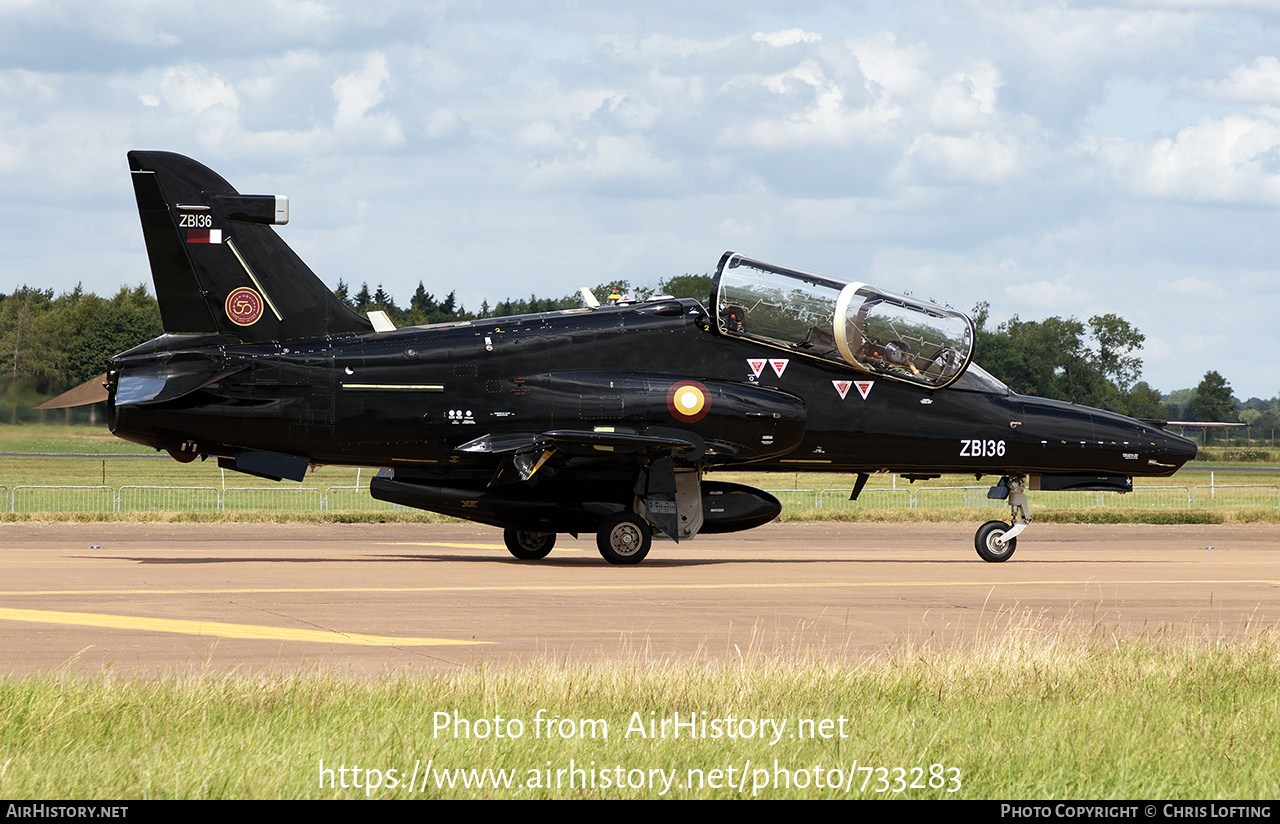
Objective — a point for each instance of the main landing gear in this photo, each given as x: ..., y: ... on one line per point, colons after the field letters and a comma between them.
x: 624, y: 539
x: 528, y: 546
x: 996, y: 540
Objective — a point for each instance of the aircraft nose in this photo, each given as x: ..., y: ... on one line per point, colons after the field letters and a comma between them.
x: 1126, y: 445
x: 1165, y: 452
x: 1177, y: 449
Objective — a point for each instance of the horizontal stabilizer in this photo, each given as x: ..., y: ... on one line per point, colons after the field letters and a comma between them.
x: 93, y: 390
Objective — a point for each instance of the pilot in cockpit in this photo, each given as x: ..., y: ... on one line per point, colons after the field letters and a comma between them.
x: 892, y: 355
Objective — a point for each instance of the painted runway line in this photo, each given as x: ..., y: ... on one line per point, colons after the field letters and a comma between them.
x: 219, y: 629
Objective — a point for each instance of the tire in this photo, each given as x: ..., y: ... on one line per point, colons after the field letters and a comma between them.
x: 624, y: 539
x: 528, y: 546
x: 985, y: 541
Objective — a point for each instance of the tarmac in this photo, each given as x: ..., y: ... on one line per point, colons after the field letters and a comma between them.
x: 148, y: 599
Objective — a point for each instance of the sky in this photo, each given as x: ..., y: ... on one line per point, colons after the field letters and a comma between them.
x: 1061, y: 159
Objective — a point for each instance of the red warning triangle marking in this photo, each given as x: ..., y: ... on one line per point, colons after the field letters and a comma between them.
x: 757, y: 366
x: 842, y: 387
x: 864, y: 388
x: 779, y: 366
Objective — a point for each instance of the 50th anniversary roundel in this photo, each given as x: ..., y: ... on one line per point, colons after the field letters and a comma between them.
x: 688, y: 401
x: 243, y: 306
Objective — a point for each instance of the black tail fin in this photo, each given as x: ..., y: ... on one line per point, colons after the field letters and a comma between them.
x: 217, y: 264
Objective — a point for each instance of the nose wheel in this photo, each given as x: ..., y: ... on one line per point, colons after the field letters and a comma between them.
x: 996, y: 540
x: 991, y: 543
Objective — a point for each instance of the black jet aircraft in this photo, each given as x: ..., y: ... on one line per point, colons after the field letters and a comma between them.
x: 607, y: 419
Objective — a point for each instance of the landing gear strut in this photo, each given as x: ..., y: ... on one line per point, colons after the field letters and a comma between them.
x: 996, y: 540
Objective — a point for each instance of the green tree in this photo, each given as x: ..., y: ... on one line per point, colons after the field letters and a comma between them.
x: 363, y: 298
x: 1116, y: 343
x: 105, y: 328
x: 1142, y: 401
x: 1176, y: 402
x: 422, y: 301
x: 342, y: 293
x: 382, y: 300
x: 1213, y: 400
x: 687, y: 285
x: 32, y: 332
x: 1063, y: 359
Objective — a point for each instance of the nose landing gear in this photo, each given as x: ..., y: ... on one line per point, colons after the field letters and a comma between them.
x: 996, y: 540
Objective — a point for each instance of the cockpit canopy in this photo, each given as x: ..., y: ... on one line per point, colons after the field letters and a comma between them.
x: 852, y: 324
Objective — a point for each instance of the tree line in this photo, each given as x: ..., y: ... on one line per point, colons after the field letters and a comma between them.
x: 425, y: 308
x: 1096, y: 364
x: 51, y: 343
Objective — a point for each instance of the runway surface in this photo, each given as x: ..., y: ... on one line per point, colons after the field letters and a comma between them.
x: 149, y: 599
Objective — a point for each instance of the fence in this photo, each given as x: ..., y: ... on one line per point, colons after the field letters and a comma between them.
x: 975, y: 497
x: 191, y: 499
x: 30, y: 499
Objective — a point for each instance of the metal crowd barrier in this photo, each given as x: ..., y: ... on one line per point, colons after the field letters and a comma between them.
x: 190, y: 499
x: 26, y: 498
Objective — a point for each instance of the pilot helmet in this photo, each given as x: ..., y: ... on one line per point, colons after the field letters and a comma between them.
x: 897, y: 352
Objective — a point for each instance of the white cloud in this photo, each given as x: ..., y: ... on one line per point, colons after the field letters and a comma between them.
x: 891, y: 67
x: 26, y: 88
x: 1056, y: 296
x: 540, y: 137
x: 735, y: 231
x: 984, y: 159
x: 1197, y: 288
x: 610, y: 162
x: 1258, y: 83
x: 358, y: 92
x: 191, y: 90
x: 659, y: 47
x: 787, y: 37
x: 442, y: 123
x: 940, y: 121
x: 813, y: 110
x: 965, y: 100
x: 1233, y: 159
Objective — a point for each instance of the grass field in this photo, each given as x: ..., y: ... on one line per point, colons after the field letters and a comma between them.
x: 1030, y: 712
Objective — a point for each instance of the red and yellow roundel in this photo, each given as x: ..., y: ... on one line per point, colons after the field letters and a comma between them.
x: 688, y: 401
x: 243, y: 306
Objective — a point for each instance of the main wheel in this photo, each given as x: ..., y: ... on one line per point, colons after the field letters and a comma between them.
x: 624, y: 539
x: 528, y: 546
x: 990, y: 542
